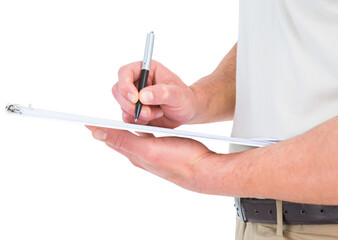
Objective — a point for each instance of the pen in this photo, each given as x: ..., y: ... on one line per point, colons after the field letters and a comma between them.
x: 148, y: 51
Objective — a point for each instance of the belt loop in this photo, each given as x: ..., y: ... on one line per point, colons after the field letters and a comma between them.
x: 279, y: 208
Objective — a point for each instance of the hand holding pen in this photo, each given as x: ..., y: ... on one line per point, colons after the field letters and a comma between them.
x: 166, y: 100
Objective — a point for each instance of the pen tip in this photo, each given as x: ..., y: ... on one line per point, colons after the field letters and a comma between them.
x: 135, y: 119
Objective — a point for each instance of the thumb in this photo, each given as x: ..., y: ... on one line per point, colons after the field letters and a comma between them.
x: 170, y: 95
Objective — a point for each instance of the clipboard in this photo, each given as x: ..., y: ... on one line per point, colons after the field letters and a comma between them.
x: 16, y: 109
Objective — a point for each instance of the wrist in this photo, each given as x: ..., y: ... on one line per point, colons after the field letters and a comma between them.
x: 214, y: 98
x: 197, y: 103
x: 220, y: 174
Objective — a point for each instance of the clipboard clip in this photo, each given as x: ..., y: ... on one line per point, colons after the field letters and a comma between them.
x: 13, y: 108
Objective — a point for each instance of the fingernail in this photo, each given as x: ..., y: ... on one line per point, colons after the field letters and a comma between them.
x: 146, y: 97
x: 159, y: 114
x: 131, y: 97
x: 144, y: 113
x: 100, y: 135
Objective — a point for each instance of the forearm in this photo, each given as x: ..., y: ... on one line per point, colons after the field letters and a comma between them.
x: 302, y: 169
x: 216, y: 93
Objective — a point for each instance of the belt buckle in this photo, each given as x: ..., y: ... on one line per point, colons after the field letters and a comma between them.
x: 240, y: 210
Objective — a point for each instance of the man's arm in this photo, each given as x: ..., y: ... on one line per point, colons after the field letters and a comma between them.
x: 302, y: 169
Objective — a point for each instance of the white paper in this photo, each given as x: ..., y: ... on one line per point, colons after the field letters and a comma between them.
x: 99, y: 122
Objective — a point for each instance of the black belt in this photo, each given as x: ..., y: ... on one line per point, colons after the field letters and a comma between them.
x: 264, y: 211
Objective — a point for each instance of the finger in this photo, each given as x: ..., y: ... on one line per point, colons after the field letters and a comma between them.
x: 150, y: 113
x: 134, y: 160
x: 139, y: 150
x: 133, y: 71
x: 125, y: 104
x: 128, y: 74
x: 91, y: 128
x: 170, y: 95
x: 128, y: 118
x: 124, y: 140
x: 131, y: 157
x: 147, y: 113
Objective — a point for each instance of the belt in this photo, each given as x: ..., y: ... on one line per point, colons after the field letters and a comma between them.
x: 264, y: 211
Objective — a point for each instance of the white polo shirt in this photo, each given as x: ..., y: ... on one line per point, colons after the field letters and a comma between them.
x: 287, y: 67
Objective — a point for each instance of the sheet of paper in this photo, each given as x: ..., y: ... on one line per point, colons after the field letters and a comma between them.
x: 99, y: 122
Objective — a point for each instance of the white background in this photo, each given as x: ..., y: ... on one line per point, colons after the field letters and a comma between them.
x: 56, y: 181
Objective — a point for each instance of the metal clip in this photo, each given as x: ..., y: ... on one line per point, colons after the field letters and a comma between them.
x: 13, y: 108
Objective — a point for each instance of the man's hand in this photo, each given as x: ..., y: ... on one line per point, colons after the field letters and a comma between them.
x: 167, y: 101
x: 301, y: 169
x: 185, y: 162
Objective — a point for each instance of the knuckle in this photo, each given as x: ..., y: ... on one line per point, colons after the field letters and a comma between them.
x: 114, y: 88
x: 179, y: 98
x: 122, y: 87
x: 115, y: 91
x: 122, y: 70
x: 164, y: 92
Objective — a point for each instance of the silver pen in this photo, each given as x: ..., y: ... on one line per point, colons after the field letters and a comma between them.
x: 148, y: 52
